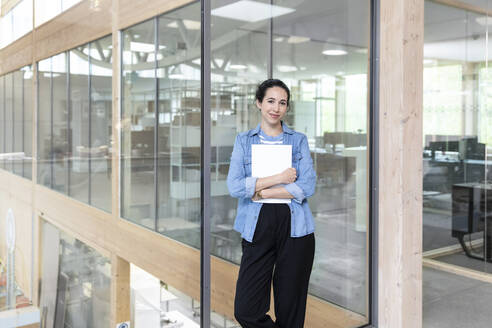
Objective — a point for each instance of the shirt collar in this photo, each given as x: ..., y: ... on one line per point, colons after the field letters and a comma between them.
x: 256, y: 130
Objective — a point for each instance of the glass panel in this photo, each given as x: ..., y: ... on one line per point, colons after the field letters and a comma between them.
x: 44, y: 123
x: 2, y: 120
x: 138, y: 124
x: 239, y: 62
x: 320, y: 51
x: 79, y: 123
x: 28, y: 110
x: 457, y: 180
x: 9, y: 120
x: 155, y: 304
x: 81, y: 285
x: 61, y: 132
x: 179, y: 125
x: 18, y: 107
x: 456, y: 102
x: 22, y: 18
x: 101, y: 122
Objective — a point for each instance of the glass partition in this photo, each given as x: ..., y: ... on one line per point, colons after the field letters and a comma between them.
x: 74, y: 122
x: 75, y: 284
x: 9, y: 118
x: 457, y: 179
x: 2, y: 120
x: 18, y: 118
x: 27, y: 76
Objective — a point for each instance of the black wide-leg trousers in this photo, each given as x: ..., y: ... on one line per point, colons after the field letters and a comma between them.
x: 289, y: 259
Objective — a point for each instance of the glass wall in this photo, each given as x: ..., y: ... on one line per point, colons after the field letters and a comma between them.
x: 75, y: 285
x: 457, y: 158
x: 16, y: 23
x: 75, y: 123
x: 16, y: 122
x: 320, y: 49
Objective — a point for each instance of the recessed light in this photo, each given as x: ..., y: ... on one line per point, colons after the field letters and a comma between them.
x: 250, y: 11
x: 484, y: 20
x: 286, y: 68
x: 278, y: 39
x: 334, y: 52
x: 237, y: 66
x: 189, y: 24
x: 297, y: 39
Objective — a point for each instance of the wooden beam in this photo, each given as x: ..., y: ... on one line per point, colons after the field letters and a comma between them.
x: 400, y: 163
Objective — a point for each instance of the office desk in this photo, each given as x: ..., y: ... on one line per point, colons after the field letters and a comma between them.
x: 472, y: 212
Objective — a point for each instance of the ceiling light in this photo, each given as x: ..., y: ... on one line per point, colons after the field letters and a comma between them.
x: 334, y: 52
x: 484, y: 20
x: 142, y: 47
x: 250, y: 11
x: 279, y: 39
x: 286, y: 68
x: 136, y: 36
x: 237, y: 66
x: 429, y: 61
x: 197, y: 61
x: 361, y: 51
x: 297, y: 39
x: 189, y: 24
x: 340, y: 73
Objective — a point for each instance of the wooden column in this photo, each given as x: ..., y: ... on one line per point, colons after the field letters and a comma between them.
x: 120, y: 290
x: 400, y: 163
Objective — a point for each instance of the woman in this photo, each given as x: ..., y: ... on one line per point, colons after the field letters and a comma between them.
x: 277, y: 239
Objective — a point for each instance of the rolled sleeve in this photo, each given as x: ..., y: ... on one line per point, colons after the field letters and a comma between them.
x: 295, y: 191
x: 250, y: 186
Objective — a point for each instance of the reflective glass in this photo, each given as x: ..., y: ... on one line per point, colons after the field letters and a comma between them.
x: 76, y: 284
x: 239, y: 62
x: 138, y: 118
x: 320, y: 51
x: 2, y: 120
x: 27, y: 123
x: 22, y: 18
x: 44, y: 10
x: 79, y: 123
x: 156, y: 304
x: 61, y: 133
x: 457, y: 190
x: 178, y: 72
x: 44, y: 123
x: 9, y: 120
x: 101, y: 132
x: 457, y: 154
x: 18, y: 111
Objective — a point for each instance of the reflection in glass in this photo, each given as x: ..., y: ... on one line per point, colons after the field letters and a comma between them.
x: 44, y: 123
x: 61, y: 133
x: 78, y: 282
x: 138, y: 119
x: 457, y: 187
x: 9, y: 118
x: 79, y: 124
x: 2, y: 120
x: 179, y: 125
x: 18, y: 117
x: 27, y: 123
x: 101, y: 122
x: 239, y: 63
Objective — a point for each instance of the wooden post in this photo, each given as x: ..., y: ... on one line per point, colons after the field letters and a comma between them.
x: 400, y: 163
x: 120, y: 290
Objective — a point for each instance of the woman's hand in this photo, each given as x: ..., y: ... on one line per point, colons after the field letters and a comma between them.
x: 288, y: 176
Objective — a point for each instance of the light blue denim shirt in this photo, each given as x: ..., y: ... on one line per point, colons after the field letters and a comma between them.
x: 242, y: 185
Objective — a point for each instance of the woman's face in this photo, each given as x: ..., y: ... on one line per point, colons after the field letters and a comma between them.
x: 274, y: 105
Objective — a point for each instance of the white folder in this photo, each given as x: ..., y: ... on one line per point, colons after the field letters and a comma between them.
x: 268, y: 160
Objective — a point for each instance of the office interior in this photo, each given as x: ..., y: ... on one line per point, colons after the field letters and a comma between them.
x: 321, y: 49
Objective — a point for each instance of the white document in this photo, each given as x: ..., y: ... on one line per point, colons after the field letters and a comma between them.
x: 267, y: 160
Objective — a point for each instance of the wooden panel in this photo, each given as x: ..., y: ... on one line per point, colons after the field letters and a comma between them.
x: 15, y: 194
x: 17, y: 54
x: 400, y: 163
x: 76, y: 26
x: 132, y: 12
x: 120, y: 290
